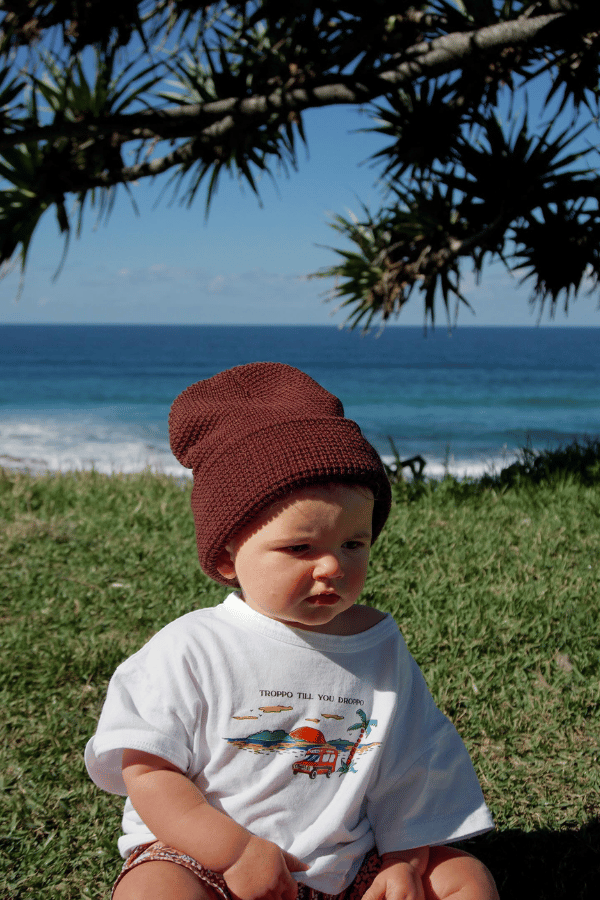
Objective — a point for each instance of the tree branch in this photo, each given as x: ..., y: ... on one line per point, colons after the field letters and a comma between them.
x: 184, y: 154
x: 443, y: 54
x: 432, y: 58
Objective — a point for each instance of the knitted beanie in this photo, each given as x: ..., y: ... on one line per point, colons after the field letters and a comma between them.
x: 252, y: 434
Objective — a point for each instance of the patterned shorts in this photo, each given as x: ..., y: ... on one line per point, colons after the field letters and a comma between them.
x: 158, y: 851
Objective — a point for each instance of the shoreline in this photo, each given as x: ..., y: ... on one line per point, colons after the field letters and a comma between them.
x: 435, y: 469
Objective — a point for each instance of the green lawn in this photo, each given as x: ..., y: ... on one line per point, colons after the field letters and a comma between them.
x: 495, y: 586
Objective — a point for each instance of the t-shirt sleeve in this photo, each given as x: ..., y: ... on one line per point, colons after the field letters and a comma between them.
x: 153, y: 704
x: 426, y: 791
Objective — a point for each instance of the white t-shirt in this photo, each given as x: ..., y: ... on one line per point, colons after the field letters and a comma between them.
x: 327, y: 745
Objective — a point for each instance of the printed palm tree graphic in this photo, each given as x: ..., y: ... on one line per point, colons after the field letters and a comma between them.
x: 365, y: 726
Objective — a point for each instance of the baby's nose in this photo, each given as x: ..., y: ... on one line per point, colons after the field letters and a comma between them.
x: 328, y: 566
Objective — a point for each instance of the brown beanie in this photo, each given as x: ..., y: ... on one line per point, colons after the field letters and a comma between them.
x: 253, y: 433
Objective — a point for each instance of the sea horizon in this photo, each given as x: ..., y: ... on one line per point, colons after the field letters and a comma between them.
x: 373, y: 331
x: 81, y: 396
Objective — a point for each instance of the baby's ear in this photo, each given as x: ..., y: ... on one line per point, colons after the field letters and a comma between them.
x: 225, y: 566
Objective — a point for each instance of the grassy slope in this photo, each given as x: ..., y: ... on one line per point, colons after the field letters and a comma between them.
x: 495, y: 589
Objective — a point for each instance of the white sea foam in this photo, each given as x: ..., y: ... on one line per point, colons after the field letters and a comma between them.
x: 63, y: 443
x: 438, y: 468
x: 49, y: 444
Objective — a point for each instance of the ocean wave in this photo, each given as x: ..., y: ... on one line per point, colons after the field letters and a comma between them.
x: 463, y: 467
x: 69, y: 443
x: 50, y: 444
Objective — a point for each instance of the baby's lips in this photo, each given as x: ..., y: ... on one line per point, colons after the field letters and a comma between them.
x: 325, y: 598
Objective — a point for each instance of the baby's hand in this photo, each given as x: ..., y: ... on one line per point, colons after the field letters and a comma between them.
x: 400, y: 876
x: 400, y: 882
x: 262, y: 872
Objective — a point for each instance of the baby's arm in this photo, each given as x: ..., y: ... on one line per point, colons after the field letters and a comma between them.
x: 177, y: 813
x: 400, y: 877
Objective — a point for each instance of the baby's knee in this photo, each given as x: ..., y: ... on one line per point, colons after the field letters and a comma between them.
x: 452, y: 873
x: 158, y: 880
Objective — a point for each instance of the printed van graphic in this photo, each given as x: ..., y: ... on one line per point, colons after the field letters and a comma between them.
x: 320, y: 760
x: 317, y: 754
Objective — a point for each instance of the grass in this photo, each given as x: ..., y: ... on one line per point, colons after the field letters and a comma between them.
x: 494, y: 584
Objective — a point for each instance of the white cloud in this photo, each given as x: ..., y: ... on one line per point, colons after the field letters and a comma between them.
x: 217, y: 285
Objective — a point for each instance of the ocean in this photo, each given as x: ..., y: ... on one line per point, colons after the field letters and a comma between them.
x: 98, y: 396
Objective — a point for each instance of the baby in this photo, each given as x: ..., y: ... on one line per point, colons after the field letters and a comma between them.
x: 284, y: 744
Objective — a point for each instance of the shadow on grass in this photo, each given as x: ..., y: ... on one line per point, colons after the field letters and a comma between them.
x: 545, y: 865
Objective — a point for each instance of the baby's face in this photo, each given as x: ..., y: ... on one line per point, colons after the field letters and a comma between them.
x: 303, y: 561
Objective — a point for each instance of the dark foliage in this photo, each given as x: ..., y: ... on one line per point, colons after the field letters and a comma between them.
x: 95, y: 96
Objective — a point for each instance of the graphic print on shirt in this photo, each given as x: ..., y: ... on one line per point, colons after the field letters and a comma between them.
x: 319, y: 755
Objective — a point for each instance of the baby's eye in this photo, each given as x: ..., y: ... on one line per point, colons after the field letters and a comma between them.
x: 297, y: 548
x: 354, y: 545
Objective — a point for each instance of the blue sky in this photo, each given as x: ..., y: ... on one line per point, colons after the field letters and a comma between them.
x: 245, y: 264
